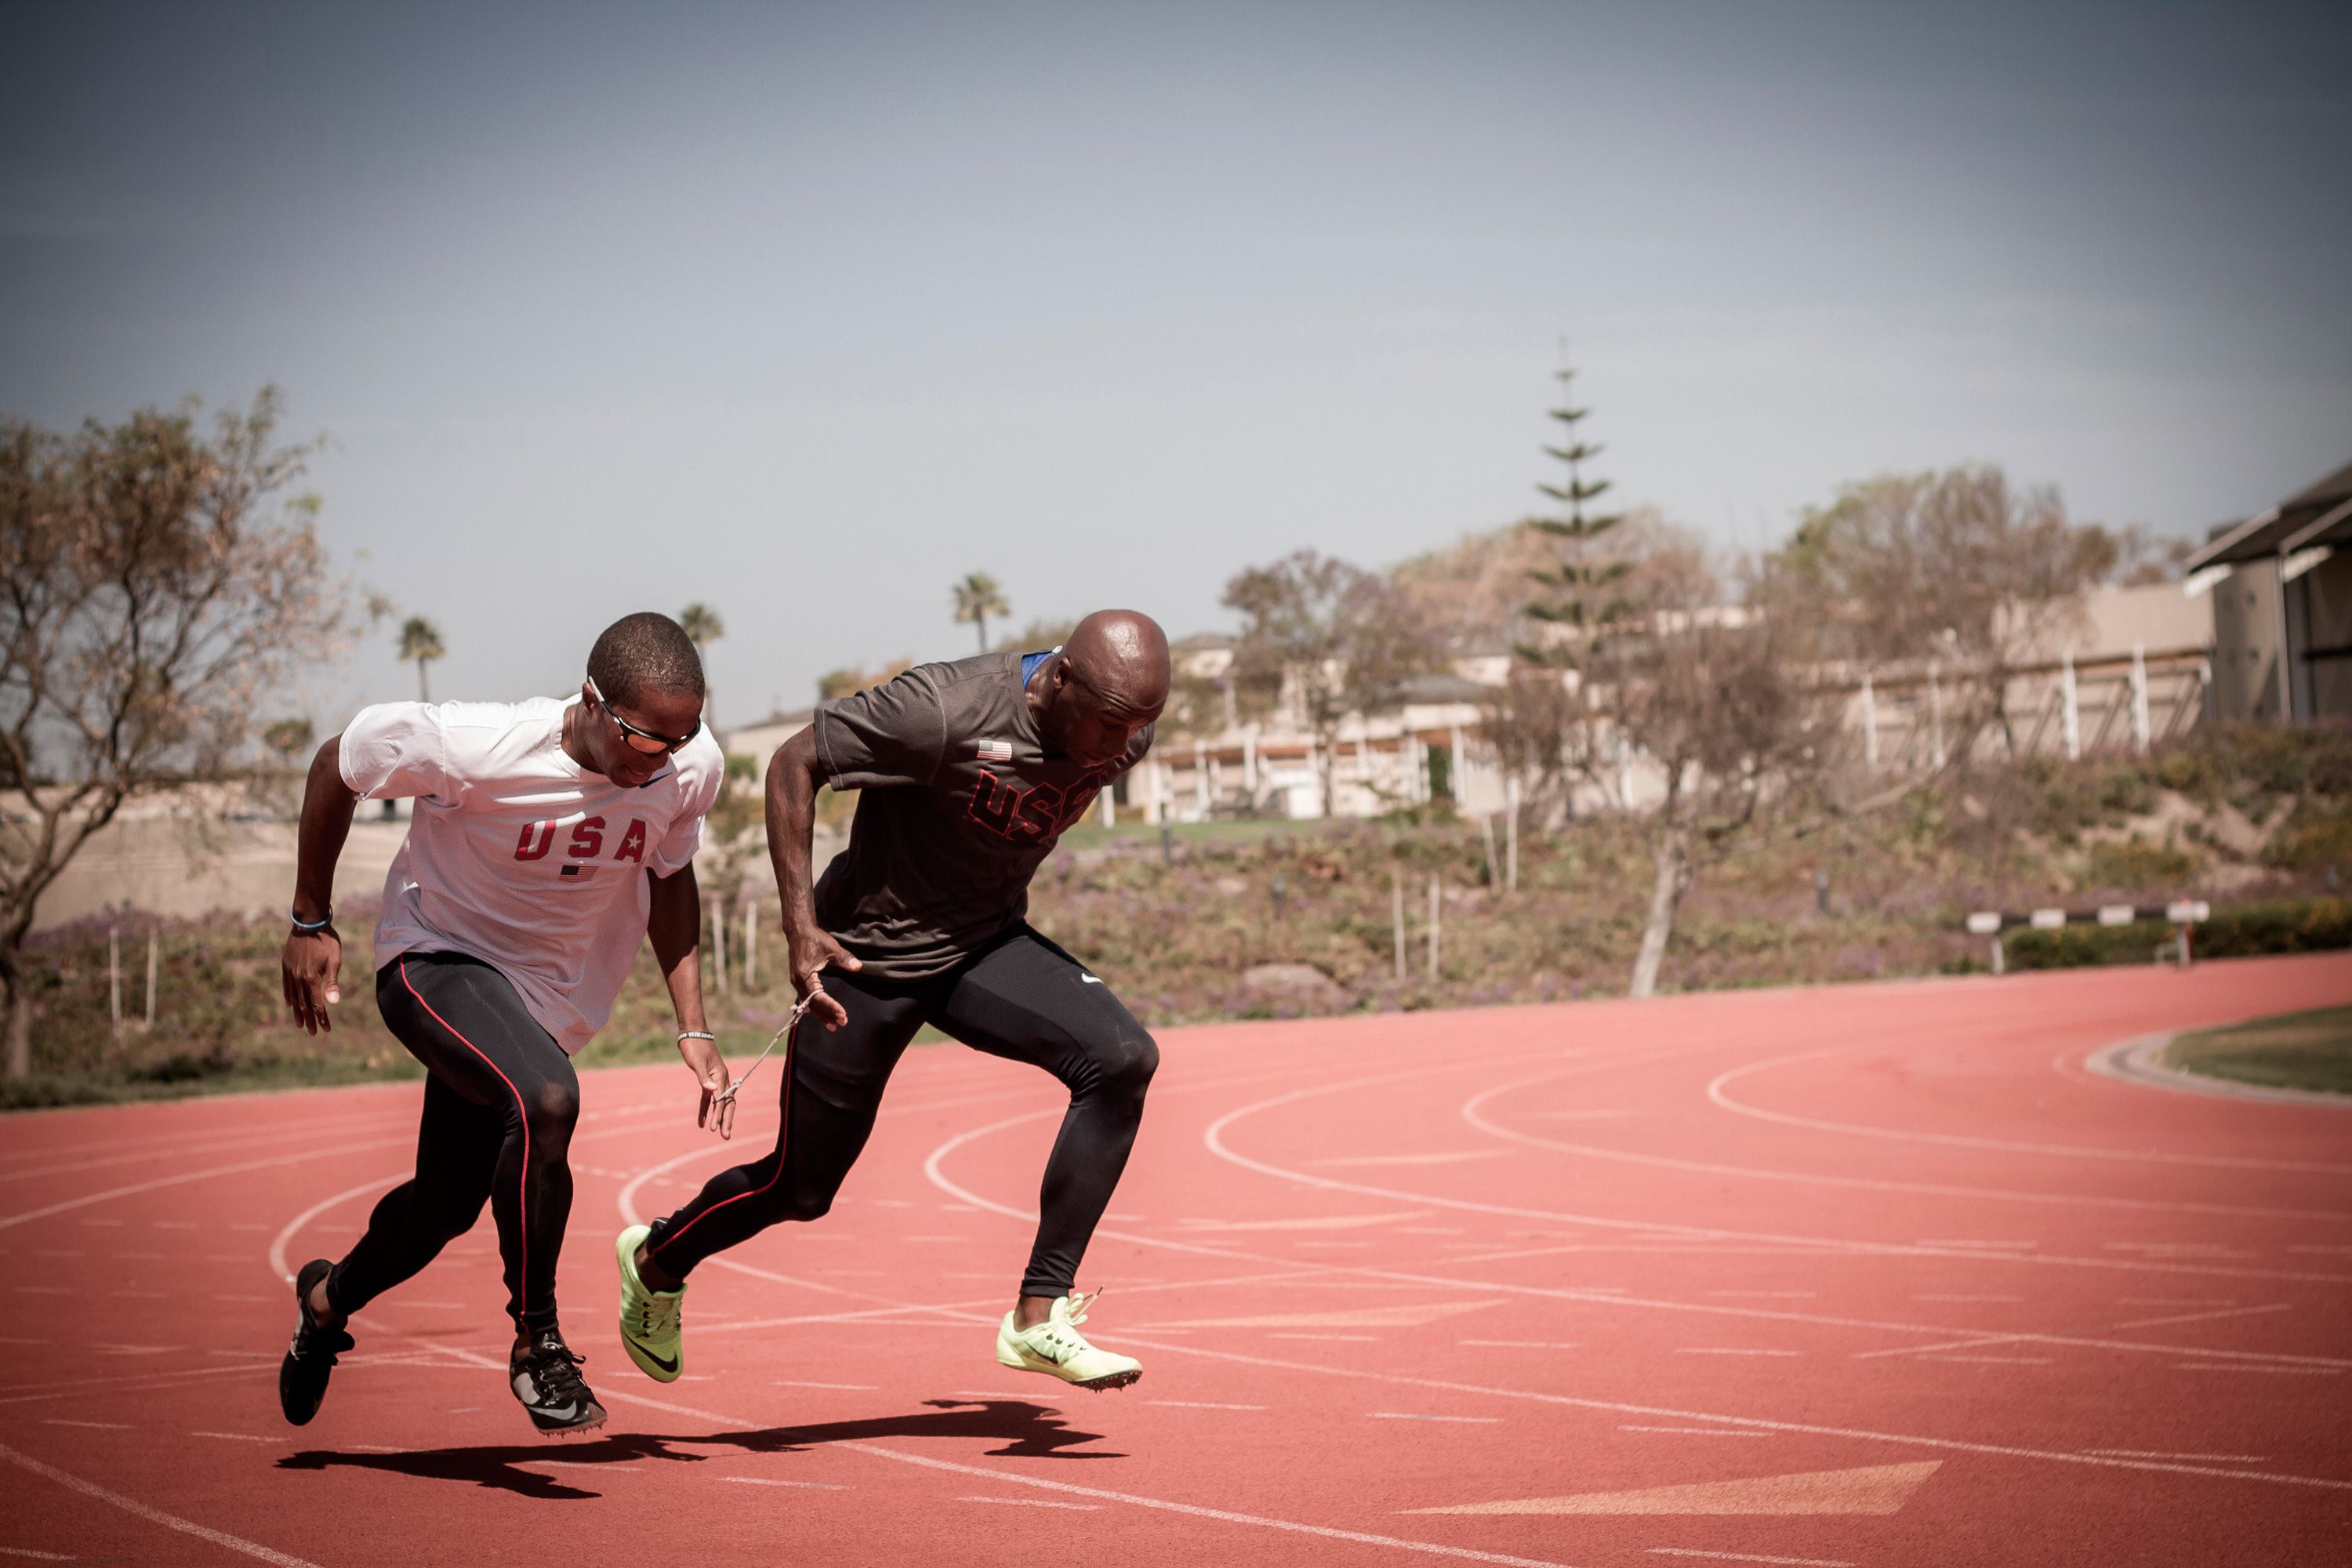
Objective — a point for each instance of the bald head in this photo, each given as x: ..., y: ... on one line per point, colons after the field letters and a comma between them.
x: 1122, y: 657
x: 1108, y: 682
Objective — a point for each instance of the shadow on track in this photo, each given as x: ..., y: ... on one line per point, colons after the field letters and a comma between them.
x: 1022, y: 1430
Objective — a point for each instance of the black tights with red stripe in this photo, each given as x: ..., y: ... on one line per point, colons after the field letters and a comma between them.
x: 1022, y: 998
x: 499, y: 1105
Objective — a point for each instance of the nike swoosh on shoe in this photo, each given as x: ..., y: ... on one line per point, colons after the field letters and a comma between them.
x: 665, y: 1364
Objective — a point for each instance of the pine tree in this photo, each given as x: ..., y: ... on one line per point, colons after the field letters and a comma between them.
x: 1578, y: 598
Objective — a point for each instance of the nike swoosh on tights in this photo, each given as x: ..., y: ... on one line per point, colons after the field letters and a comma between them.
x: 1089, y: 979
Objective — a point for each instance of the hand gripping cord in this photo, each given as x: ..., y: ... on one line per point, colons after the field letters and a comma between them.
x: 800, y: 1010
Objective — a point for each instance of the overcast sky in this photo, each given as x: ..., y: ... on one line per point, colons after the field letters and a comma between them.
x: 807, y: 310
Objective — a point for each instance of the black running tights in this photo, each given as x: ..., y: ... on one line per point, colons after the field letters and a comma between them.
x: 1022, y: 998
x: 500, y: 1099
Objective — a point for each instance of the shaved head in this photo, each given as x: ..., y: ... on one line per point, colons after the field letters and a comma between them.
x: 1109, y: 680
x: 1121, y: 657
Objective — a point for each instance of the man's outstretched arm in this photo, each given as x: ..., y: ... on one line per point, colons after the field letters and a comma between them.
x: 673, y: 925
x: 793, y: 774
x: 312, y: 960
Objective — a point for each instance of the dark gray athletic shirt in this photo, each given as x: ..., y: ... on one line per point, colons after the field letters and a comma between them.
x: 958, y: 806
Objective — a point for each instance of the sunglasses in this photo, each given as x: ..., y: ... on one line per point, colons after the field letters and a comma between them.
x: 644, y: 740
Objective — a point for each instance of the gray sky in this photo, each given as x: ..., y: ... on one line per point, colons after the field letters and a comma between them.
x: 807, y: 311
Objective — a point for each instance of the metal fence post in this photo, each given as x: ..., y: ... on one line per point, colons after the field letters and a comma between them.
x: 1432, y: 926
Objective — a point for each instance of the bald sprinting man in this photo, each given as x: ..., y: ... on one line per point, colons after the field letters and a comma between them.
x: 967, y: 774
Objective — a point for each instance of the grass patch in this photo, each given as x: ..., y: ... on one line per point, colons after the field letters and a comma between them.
x: 2296, y: 1051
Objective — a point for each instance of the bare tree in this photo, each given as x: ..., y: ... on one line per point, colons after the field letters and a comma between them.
x: 976, y: 599
x: 1959, y: 567
x: 1724, y: 710
x: 1328, y: 636
x: 158, y: 585
x: 420, y: 641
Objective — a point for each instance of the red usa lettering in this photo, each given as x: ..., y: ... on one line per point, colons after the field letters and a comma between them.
x: 586, y: 841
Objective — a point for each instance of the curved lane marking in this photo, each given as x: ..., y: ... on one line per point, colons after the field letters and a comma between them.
x: 153, y: 1515
x: 1214, y: 1138
x: 1472, y: 1112
x: 931, y: 1168
x: 1715, y: 1091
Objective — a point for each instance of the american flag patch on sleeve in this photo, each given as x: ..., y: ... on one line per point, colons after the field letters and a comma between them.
x: 996, y: 750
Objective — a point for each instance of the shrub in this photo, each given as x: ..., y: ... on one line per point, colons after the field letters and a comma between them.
x: 2136, y: 863
x: 2244, y: 931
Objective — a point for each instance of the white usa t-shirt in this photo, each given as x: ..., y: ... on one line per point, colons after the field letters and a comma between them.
x: 520, y: 857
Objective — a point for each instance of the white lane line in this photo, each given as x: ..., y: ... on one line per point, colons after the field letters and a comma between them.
x: 1698, y: 1431
x: 2203, y: 1317
x: 1201, y: 1404
x: 1403, y: 1416
x: 1749, y: 1557
x: 2276, y: 1371
x: 1353, y: 1339
x: 233, y: 1437
x: 774, y: 1481
x: 1214, y: 1137
x: 1522, y: 1344
x: 1071, y: 1488
x: 1967, y: 1297
x: 603, y: 1466
x: 135, y: 1188
x: 93, y: 1425
x: 938, y: 1178
x: 1966, y: 1342
x: 1994, y: 1360
x: 1772, y: 1295
x: 1472, y: 1113
x: 152, y: 1515
x: 1037, y: 1503
x: 2194, y: 1458
x: 1728, y: 1349
x: 1715, y: 1091
x: 38, y: 1556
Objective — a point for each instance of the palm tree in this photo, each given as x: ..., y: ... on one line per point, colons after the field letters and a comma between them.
x: 420, y: 639
x: 703, y: 627
x: 977, y: 597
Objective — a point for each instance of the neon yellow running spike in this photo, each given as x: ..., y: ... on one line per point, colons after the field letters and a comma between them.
x: 650, y: 1330
x: 1056, y: 1348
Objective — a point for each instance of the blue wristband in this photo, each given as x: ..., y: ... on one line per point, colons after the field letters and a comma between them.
x: 301, y: 924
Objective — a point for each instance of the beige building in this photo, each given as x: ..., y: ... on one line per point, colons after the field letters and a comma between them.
x: 2281, y: 592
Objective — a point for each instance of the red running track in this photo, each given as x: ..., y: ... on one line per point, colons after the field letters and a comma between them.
x: 1872, y: 1276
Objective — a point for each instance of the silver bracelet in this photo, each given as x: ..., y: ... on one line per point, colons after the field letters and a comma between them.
x: 697, y: 1035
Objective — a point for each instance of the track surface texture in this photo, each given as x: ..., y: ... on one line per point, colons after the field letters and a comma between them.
x: 1873, y: 1276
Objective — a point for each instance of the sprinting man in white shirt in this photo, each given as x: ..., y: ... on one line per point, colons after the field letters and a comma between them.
x: 548, y: 836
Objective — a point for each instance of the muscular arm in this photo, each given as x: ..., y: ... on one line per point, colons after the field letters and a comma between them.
x: 311, y: 960
x: 673, y: 925
x: 793, y: 774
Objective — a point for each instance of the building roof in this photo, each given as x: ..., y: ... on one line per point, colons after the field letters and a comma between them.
x: 2321, y: 513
